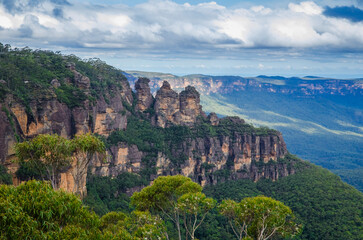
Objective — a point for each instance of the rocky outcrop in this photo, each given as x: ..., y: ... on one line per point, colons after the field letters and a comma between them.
x: 143, y: 94
x: 213, y: 119
x: 167, y: 105
x: 173, y: 108
x: 190, y: 107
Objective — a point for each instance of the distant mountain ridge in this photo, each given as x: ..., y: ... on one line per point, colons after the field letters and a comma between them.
x: 305, y: 86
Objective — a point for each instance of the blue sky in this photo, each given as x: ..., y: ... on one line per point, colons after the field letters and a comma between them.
x: 246, y: 38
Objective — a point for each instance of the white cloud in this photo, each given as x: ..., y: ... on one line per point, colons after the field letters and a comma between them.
x: 309, y: 8
x: 162, y: 25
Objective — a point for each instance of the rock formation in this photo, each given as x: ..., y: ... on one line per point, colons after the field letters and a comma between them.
x: 173, y: 108
x: 206, y: 159
x: 167, y: 105
x: 143, y: 94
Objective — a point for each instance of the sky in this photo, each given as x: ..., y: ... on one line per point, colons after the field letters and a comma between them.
x: 245, y: 38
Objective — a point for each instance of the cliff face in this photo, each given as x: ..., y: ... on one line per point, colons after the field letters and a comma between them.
x: 207, y: 159
x: 47, y: 115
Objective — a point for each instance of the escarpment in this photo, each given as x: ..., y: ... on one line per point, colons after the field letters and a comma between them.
x: 163, y: 135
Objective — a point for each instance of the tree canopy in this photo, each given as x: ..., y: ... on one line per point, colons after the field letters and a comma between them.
x: 46, y: 152
x: 162, y: 197
x: 49, y: 155
x: 259, y: 218
x: 34, y: 210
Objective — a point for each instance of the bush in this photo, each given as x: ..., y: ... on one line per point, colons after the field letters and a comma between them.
x: 5, y: 177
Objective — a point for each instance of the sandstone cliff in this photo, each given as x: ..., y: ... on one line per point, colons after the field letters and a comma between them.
x: 207, y: 149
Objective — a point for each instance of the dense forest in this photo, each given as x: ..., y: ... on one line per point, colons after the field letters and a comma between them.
x: 324, y: 205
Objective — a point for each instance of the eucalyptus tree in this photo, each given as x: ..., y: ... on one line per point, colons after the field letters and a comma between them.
x: 34, y: 210
x: 194, y: 208
x: 84, y: 147
x: 48, y: 154
x: 162, y: 197
x: 260, y: 218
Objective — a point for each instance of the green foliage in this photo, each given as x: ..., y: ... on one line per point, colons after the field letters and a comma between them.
x: 70, y: 95
x: 34, y: 210
x: 49, y: 152
x: 28, y: 171
x: 163, y: 194
x: 231, y: 125
x: 259, y: 218
x: 84, y: 147
x: 103, y: 76
x: 352, y: 176
x: 46, y: 156
x: 105, y: 194
x: 328, y: 208
x: 141, y: 133
x: 323, y: 204
x: 137, y: 225
x: 194, y: 207
x: 5, y: 177
x: 28, y: 75
x: 162, y: 197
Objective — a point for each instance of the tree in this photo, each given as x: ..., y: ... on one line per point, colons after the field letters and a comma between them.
x: 260, y: 218
x: 137, y: 225
x: 49, y: 152
x: 34, y: 210
x: 194, y: 207
x: 236, y: 217
x: 162, y: 197
x: 84, y: 147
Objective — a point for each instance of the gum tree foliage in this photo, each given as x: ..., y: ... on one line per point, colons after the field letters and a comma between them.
x: 84, y: 147
x: 137, y: 225
x: 49, y: 152
x: 259, y: 218
x: 34, y: 210
x: 162, y: 197
x: 49, y: 155
x: 194, y: 208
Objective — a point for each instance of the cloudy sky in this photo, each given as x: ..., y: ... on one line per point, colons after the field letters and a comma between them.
x: 231, y: 37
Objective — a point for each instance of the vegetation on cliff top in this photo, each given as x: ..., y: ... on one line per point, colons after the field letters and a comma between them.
x: 27, y: 74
